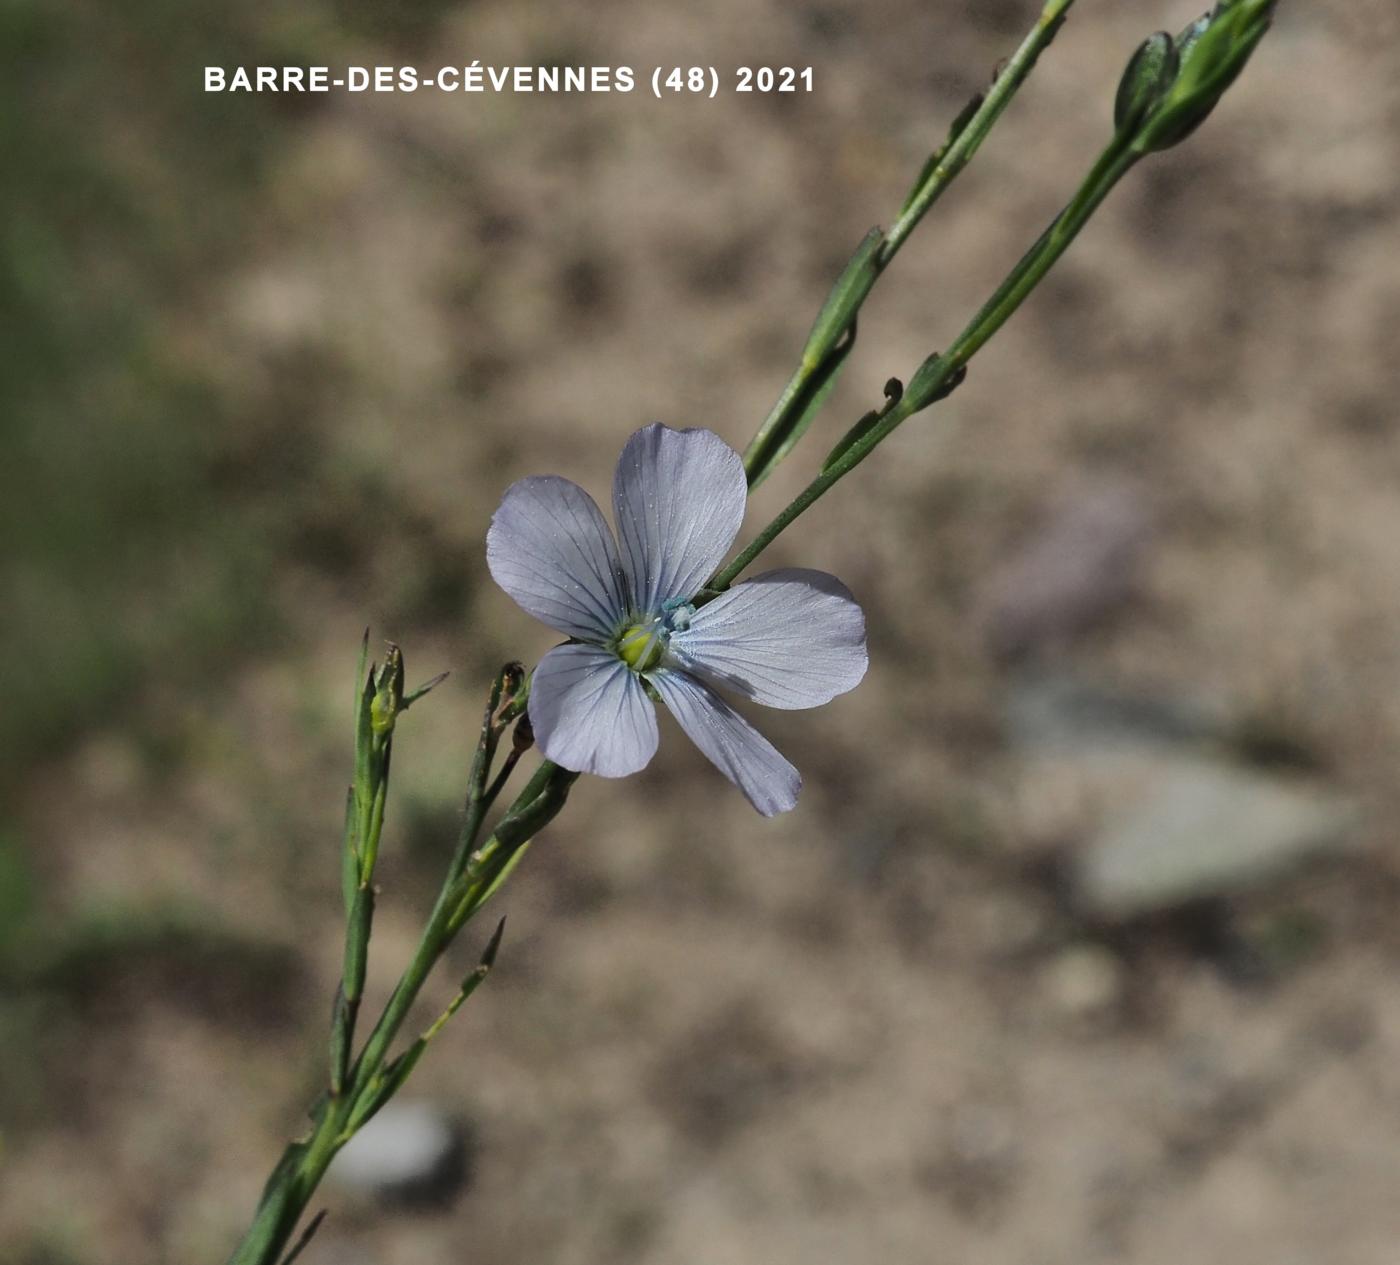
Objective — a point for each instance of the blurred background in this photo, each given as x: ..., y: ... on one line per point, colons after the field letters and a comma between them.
x: 1081, y: 945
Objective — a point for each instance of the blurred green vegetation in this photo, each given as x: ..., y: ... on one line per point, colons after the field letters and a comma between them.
x: 122, y: 556
x: 147, y: 501
x: 156, y: 490
x: 135, y: 547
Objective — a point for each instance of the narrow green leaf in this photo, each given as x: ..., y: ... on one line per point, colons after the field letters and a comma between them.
x: 360, y: 671
x: 495, y: 881
x: 852, y: 437
x: 844, y: 299
x: 306, y: 1236
x: 959, y: 125
x: 350, y: 852
x: 357, y: 935
x: 362, y: 788
x: 426, y: 688
x: 384, y: 1086
x: 809, y: 392
x: 493, y: 946
x: 832, y: 336
x: 932, y: 382
x: 342, y: 1034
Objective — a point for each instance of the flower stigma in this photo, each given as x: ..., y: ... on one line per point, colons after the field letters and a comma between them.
x: 641, y: 646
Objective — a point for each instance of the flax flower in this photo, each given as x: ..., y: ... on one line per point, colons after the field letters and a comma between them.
x: 641, y: 629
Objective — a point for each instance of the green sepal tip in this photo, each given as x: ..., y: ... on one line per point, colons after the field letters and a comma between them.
x: 1148, y: 75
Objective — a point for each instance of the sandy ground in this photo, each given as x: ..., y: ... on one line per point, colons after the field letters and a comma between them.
x: 861, y: 1032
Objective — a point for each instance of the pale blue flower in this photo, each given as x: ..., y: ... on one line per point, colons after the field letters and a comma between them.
x: 788, y: 639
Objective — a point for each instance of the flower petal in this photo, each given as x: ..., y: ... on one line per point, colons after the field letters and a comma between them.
x: 678, y: 497
x: 792, y: 638
x: 552, y: 550
x: 590, y: 712
x: 735, y: 747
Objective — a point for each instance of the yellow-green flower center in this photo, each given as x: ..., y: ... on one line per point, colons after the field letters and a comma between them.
x: 641, y: 646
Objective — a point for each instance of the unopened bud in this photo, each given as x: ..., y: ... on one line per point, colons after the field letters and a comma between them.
x: 1211, y: 52
x: 1148, y: 76
x: 512, y: 677
x: 387, y: 702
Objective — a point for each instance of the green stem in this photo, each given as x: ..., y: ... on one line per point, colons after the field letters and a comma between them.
x: 1113, y: 164
x: 833, y: 333
x: 937, y: 374
x: 438, y: 932
x: 969, y: 138
x: 295, y: 1179
x: 471, y: 877
x: 305, y: 1163
x: 372, y: 823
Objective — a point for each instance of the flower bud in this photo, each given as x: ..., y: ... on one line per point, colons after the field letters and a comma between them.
x: 1211, y: 52
x: 512, y: 680
x: 387, y: 702
x: 1148, y: 76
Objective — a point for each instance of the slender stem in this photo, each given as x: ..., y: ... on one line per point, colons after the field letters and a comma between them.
x: 372, y: 824
x: 295, y: 1179
x: 377, y: 701
x: 341, y: 1111
x: 480, y: 873
x: 1113, y: 164
x: 501, y: 778
x: 491, y: 864
x: 938, y: 372
x: 833, y: 334
x: 437, y: 934
x: 969, y: 139
x: 800, y: 503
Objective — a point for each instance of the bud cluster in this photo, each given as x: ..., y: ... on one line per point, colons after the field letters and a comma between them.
x: 1173, y: 83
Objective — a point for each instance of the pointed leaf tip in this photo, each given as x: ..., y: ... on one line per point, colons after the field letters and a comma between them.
x: 426, y: 688
x: 306, y: 1236
x: 493, y: 946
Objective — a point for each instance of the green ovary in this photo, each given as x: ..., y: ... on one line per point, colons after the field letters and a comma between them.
x: 642, y: 646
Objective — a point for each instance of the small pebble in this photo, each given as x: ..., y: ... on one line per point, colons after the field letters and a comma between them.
x: 411, y: 1152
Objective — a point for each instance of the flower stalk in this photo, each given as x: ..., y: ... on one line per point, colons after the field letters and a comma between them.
x: 940, y: 374
x: 1185, y: 87
x: 360, y: 1088
x: 833, y: 333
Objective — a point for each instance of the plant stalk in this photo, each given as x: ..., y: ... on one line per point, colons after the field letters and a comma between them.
x: 940, y: 373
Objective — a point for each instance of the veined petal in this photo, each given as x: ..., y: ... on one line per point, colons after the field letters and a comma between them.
x: 552, y: 550
x: 735, y: 747
x: 791, y: 639
x: 678, y: 497
x: 590, y: 712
